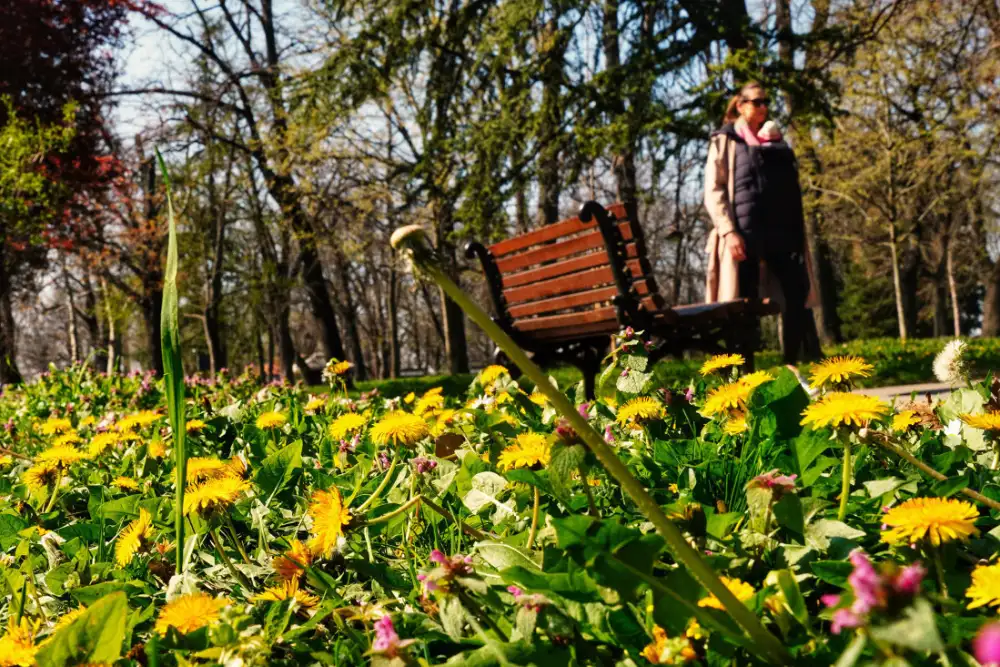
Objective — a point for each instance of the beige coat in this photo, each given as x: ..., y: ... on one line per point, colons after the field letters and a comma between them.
x: 722, y: 281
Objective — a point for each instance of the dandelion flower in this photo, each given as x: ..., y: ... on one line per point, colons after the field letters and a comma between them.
x: 985, y: 588
x: 950, y: 365
x: 346, y: 425
x: 41, y: 476
x: 63, y: 456
x: 194, y: 426
x: 291, y: 564
x: 529, y: 449
x: 727, y: 397
x: 339, y: 367
x: 640, y: 410
x: 938, y: 519
x: 17, y: 647
x: 666, y: 651
x: 989, y: 421
x: 200, y: 468
x: 736, y: 424
x: 190, y: 612
x: 429, y: 403
x: 287, y: 590
x: 753, y: 380
x: 138, y: 420
x: 843, y: 408
x: 269, y: 420
x: 491, y: 374
x: 839, y: 370
x: 315, y: 404
x: 721, y: 361
x: 329, y: 518
x: 102, y: 442
x: 214, y: 493
x: 134, y: 538
x: 156, y: 449
x: 742, y: 590
x: 6, y: 460
x: 538, y: 398
x: 67, y: 439
x: 399, y: 428
x: 904, y: 420
x: 56, y: 425
x: 125, y: 483
x: 68, y: 618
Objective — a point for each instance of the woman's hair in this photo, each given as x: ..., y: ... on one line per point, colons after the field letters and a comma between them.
x: 732, y: 109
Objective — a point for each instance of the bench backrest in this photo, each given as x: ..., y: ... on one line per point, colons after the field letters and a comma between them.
x: 559, y: 281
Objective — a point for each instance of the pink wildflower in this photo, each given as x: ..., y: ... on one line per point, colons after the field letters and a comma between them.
x: 986, y: 645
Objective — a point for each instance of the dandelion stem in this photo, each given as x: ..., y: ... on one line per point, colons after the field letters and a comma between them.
x: 236, y: 539
x: 591, y: 505
x: 534, y: 519
x: 414, y: 241
x: 939, y: 571
x: 381, y: 487
x: 394, y: 513
x: 468, y: 530
x: 845, y: 480
x: 55, y: 493
x: 240, y: 577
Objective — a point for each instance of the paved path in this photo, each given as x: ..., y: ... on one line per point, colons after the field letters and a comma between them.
x: 904, y: 391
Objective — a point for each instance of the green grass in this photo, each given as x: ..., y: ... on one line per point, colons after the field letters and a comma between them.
x: 895, y: 363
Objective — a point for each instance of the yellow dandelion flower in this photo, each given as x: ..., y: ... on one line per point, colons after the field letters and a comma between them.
x: 138, y: 420
x: 102, y: 442
x: 268, y: 420
x: 736, y: 424
x: 156, y: 449
x: 200, y: 468
x: 89, y: 420
x: 529, y: 449
x: 63, y: 456
x: 721, y: 361
x: 214, y: 493
x: 742, y: 590
x: 939, y: 520
x: 429, y: 403
x: 17, y: 647
x: 399, y: 428
x: 989, y: 421
x: 329, y: 518
x: 125, y: 483
x: 755, y: 379
x: 292, y: 564
x: 409, y: 398
x: 985, y: 588
x: 843, y: 408
x: 491, y: 374
x: 442, y: 420
x: 339, y: 367
x: 236, y: 466
x: 287, y: 590
x: 6, y: 460
x: 727, y: 397
x: 134, y: 538
x: 538, y: 398
x: 838, y: 370
x: 640, y: 410
x: 904, y: 420
x: 347, y: 425
x: 68, y: 618
x: 665, y: 651
x: 41, y: 476
x: 190, y: 612
x: 194, y: 426
x: 67, y: 439
x: 56, y: 425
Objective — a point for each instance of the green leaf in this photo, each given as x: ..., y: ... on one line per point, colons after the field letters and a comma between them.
x: 10, y: 526
x: 632, y: 382
x: 635, y: 362
x: 949, y: 487
x: 502, y: 556
x: 833, y: 572
x: 879, y: 487
x: 95, y: 637
x: 89, y: 595
x: 820, y: 533
x: 279, y: 469
x: 789, y: 587
x: 278, y: 616
x: 851, y: 654
x: 720, y: 525
x: 564, y: 463
x: 452, y: 616
x: 916, y: 631
x: 788, y: 513
x: 173, y: 368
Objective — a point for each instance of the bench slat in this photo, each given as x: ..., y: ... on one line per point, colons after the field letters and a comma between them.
x: 584, y: 242
x: 564, y: 302
x: 597, y: 315
x: 555, y: 270
x: 574, y: 282
x: 540, y: 235
x: 578, y: 331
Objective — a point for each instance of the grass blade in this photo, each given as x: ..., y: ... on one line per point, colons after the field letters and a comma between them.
x: 173, y: 372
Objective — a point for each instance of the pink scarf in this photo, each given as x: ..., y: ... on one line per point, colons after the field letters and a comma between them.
x: 743, y: 129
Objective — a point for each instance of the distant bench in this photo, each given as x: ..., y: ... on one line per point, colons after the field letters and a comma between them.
x: 560, y: 291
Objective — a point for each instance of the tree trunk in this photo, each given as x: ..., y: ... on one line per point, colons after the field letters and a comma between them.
x: 624, y: 161
x: 71, y: 331
x: 956, y: 315
x: 549, y: 181
x: 897, y: 283
x: 351, y: 320
x: 991, y: 302
x: 454, y: 319
x: 9, y: 374
x: 286, y: 346
x: 114, y: 340
x: 394, y: 354
x: 151, y: 307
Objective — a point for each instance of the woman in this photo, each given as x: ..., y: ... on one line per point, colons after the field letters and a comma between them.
x: 753, y: 198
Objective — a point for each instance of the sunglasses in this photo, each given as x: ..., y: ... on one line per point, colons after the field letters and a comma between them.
x: 759, y: 102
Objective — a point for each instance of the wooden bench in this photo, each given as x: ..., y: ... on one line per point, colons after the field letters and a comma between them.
x: 562, y: 290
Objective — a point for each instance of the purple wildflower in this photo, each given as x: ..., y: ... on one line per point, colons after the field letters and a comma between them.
x: 608, y: 435
x: 387, y: 639
x: 689, y: 394
x: 778, y: 484
x: 908, y: 581
x: 986, y: 645
x: 424, y: 464
x: 584, y: 410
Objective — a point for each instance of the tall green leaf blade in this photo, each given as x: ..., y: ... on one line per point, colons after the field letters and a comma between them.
x: 173, y: 371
